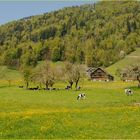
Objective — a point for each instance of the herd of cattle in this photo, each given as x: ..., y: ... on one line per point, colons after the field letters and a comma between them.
x: 81, y: 96
x: 37, y: 88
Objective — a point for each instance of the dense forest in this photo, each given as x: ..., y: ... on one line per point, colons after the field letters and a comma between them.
x: 96, y: 35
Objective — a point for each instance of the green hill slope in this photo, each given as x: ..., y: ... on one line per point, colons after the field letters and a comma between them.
x: 9, y: 74
x: 133, y: 58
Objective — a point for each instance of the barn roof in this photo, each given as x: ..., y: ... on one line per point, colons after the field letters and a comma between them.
x: 92, y: 70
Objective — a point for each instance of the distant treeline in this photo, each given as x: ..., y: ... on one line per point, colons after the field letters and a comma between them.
x: 97, y: 35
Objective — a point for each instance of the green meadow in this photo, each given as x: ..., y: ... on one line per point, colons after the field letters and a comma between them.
x: 105, y: 113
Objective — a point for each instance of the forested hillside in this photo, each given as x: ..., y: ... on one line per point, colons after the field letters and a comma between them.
x: 96, y: 35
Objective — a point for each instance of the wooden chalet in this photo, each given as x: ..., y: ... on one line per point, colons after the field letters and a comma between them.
x: 98, y: 74
x: 129, y: 75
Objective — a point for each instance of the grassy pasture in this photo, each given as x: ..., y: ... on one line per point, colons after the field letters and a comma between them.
x: 105, y: 113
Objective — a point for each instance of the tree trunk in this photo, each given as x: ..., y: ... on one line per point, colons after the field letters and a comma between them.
x: 51, y: 83
x: 71, y: 83
x: 77, y: 81
x: 47, y: 85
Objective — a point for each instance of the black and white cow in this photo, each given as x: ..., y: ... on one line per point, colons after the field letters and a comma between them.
x: 81, y: 96
x: 78, y: 88
x: 68, y: 87
x: 128, y: 92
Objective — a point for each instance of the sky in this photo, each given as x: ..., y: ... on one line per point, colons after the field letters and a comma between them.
x: 13, y: 10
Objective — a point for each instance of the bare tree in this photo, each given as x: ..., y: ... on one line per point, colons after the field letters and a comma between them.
x: 44, y: 74
x: 73, y: 73
x: 79, y: 73
x: 68, y: 73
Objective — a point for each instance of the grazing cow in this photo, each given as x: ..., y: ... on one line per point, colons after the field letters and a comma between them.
x: 30, y: 88
x: 46, y: 88
x: 78, y: 88
x: 35, y: 88
x: 52, y: 89
x: 68, y: 87
x: 81, y: 96
x: 128, y: 92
